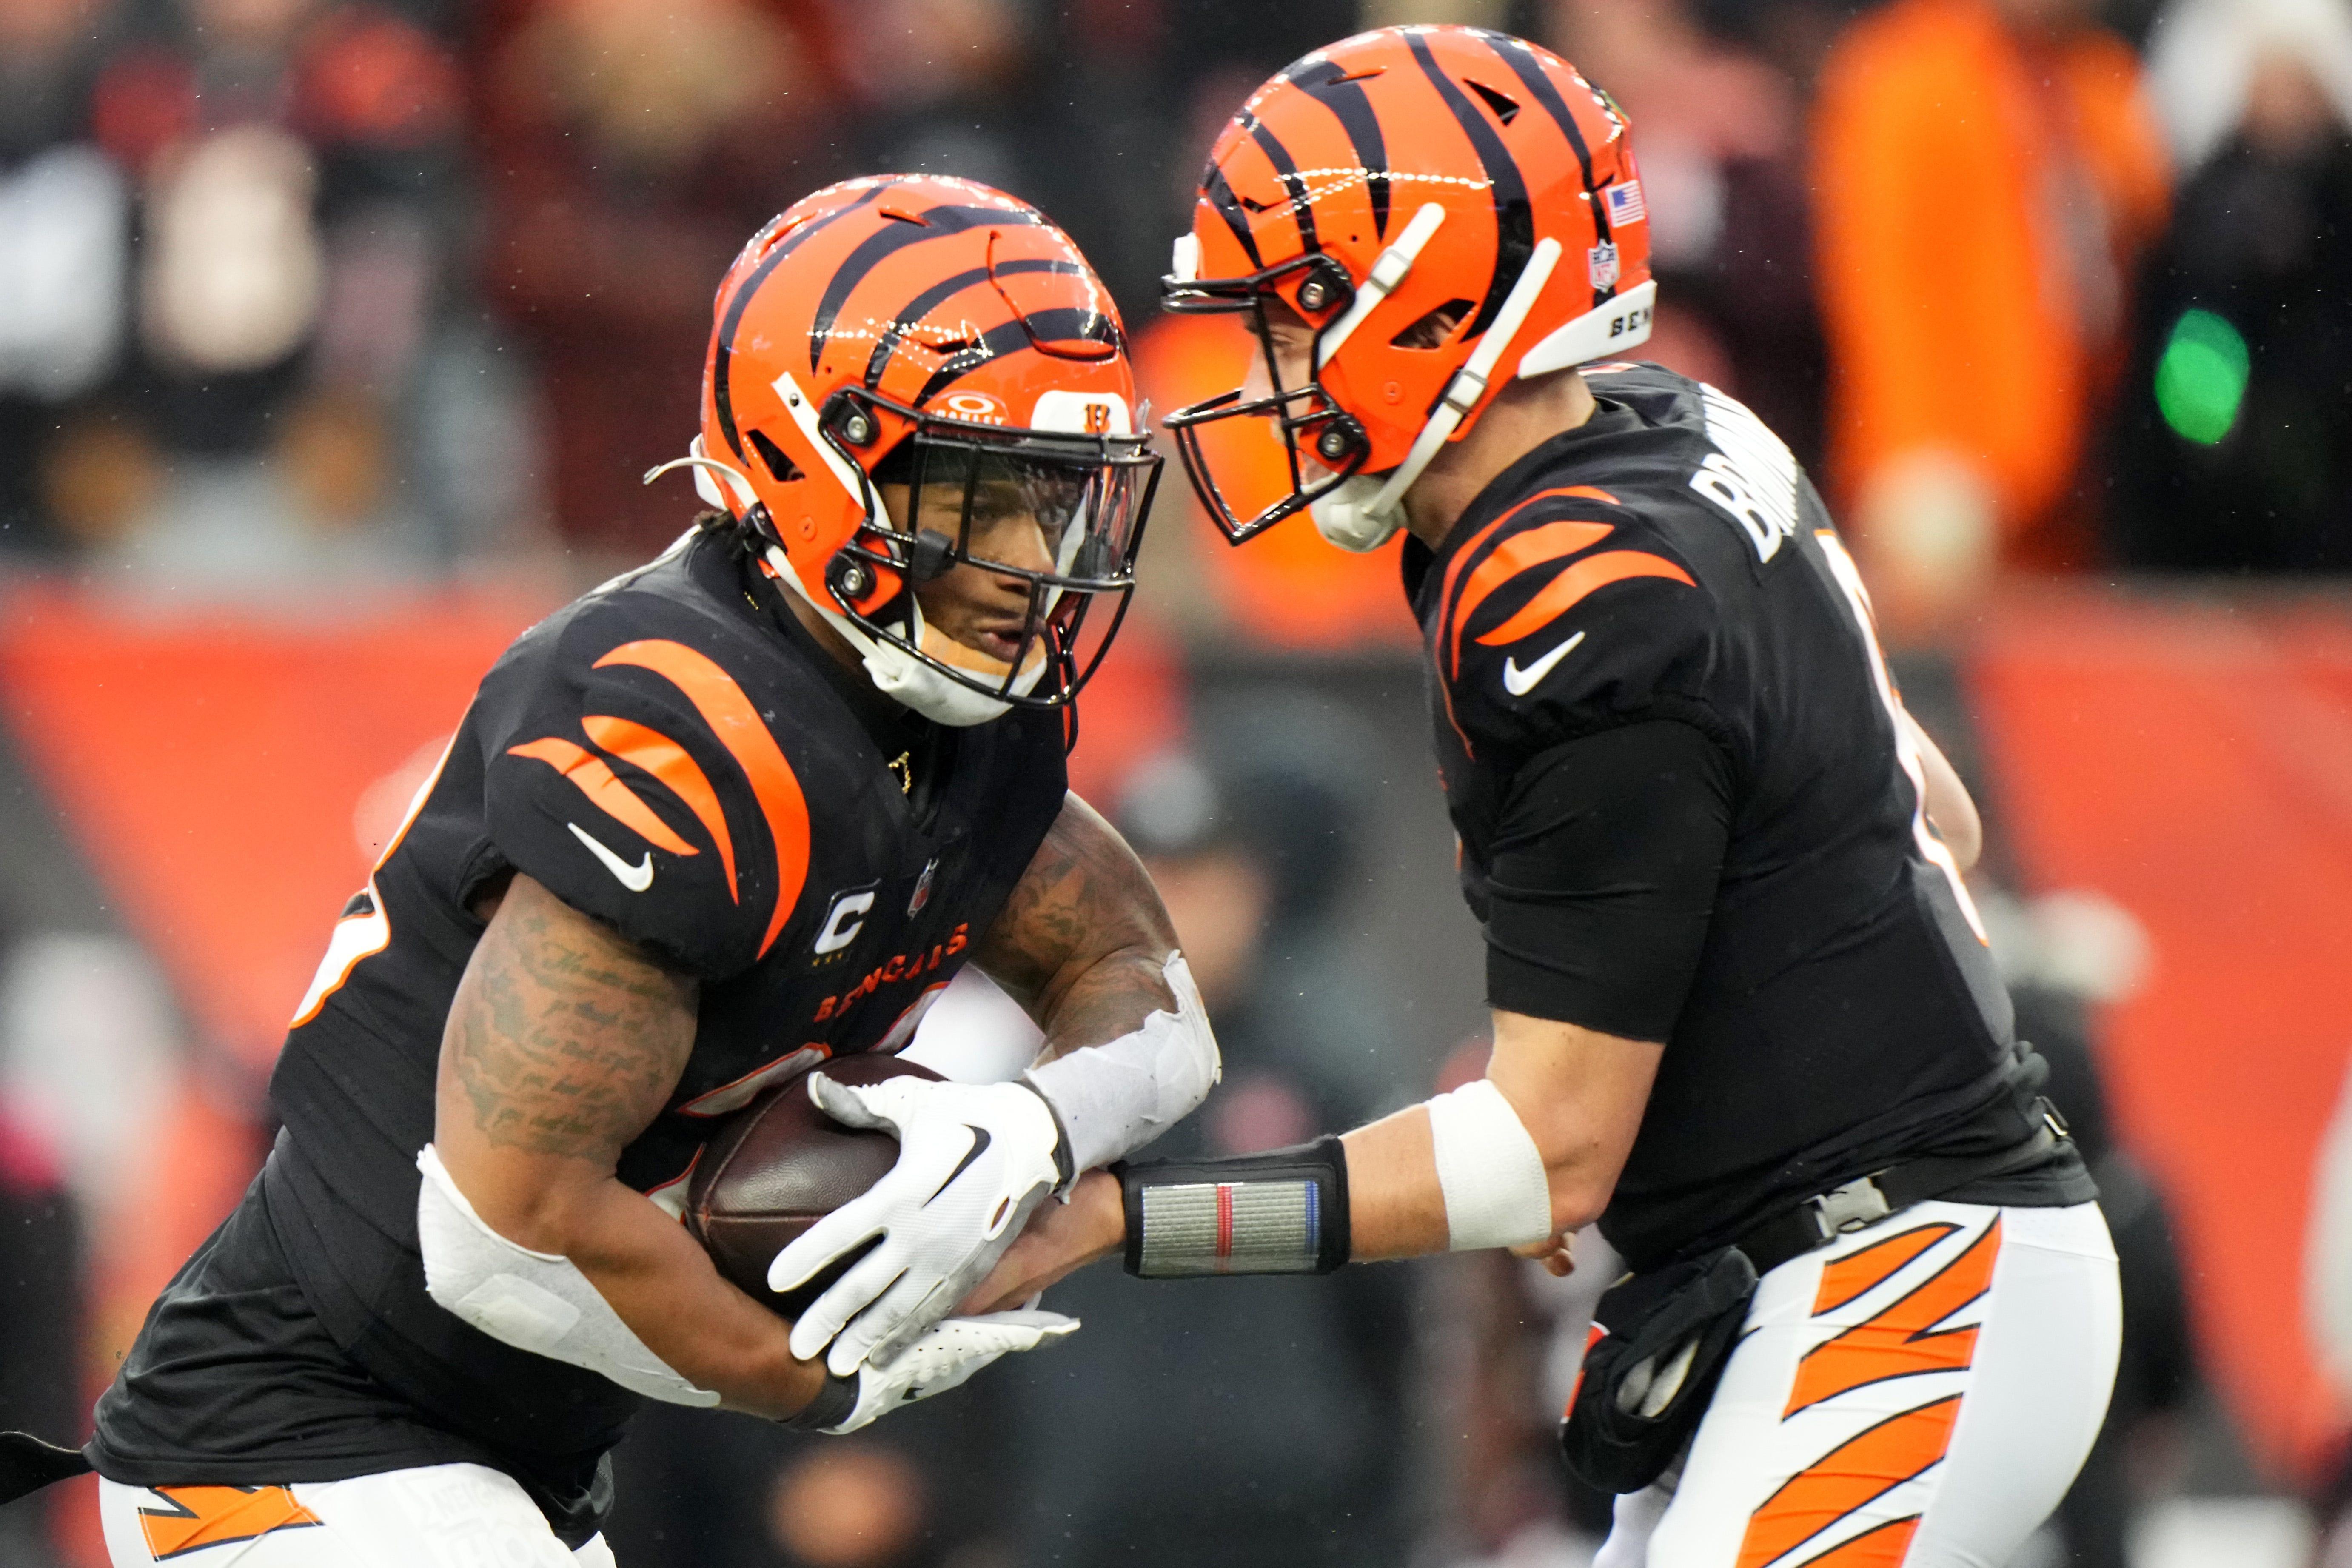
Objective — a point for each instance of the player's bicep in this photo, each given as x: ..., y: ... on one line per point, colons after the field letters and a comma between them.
x: 1603, y: 878
x: 1084, y: 897
x: 562, y: 1045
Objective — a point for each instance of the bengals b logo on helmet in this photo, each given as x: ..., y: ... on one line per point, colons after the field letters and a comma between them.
x: 1446, y: 208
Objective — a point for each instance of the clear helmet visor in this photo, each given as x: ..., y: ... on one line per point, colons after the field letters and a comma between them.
x: 1072, y: 520
x: 1007, y: 540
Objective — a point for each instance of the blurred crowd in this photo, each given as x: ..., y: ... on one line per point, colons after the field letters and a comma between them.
x: 308, y: 299
x: 330, y: 293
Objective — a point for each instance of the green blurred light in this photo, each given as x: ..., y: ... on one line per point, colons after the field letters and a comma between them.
x: 2201, y: 378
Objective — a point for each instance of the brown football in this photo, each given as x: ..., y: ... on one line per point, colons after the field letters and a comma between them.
x: 779, y: 1165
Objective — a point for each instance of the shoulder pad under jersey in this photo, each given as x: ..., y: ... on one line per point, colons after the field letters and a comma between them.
x: 1566, y: 616
x: 630, y: 772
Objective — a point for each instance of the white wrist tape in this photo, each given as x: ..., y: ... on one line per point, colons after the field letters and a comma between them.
x: 535, y: 1302
x: 1113, y: 1099
x: 1489, y: 1170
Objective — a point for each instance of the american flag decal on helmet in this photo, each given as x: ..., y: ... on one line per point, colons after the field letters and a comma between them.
x: 1625, y: 204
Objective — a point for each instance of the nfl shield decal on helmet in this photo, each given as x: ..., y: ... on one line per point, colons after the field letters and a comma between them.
x: 1600, y: 262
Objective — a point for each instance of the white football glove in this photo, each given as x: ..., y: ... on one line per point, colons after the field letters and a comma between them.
x: 945, y: 1356
x: 973, y: 1161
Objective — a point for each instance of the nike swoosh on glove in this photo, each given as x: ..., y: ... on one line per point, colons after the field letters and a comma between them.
x: 946, y: 1355
x: 973, y: 1161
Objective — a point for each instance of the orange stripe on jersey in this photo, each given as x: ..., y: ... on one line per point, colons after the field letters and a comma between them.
x: 1447, y: 617
x: 745, y: 735
x: 1445, y: 612
x: 1903, y: 1340
x: 1594, y: 572
x: 1593, y: 1334
x: 1513, y: 555
x: 1844, y: 1278
x: 1853, y: 1474
x: 199, y: 1517
x: 668, y: 761
x: 607, y: 793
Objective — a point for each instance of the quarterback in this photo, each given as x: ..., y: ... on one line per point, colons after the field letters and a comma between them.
x: 734, y: 814
x: 1744, y: 1012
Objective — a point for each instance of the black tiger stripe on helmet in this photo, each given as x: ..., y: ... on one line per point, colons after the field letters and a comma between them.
x: 1515, y: 221
x: 1344, y: 96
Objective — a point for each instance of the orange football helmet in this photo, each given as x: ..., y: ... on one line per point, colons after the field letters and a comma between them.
x: 1429, y: 200
x: 949, y: 328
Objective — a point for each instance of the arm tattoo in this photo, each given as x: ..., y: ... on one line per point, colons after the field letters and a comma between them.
x: 1081, y: 942
x: 563, y: 1038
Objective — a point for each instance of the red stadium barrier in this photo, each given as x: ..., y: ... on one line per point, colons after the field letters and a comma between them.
x: 2193, y: 762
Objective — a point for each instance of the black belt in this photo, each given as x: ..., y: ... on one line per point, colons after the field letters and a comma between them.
x: 1866, y: 1200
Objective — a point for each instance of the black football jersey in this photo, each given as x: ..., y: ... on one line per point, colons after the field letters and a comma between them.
x: 676, y: 756
x: 1669, y: 561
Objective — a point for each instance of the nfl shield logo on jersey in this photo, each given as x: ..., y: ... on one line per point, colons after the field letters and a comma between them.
x: 1600, y: 262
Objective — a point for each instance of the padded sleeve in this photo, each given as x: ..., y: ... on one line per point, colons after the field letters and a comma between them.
x: 609, y: 785
x: 1604, y: 877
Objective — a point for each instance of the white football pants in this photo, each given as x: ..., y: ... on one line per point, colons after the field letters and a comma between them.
x: 1918, y: 1395
x: 437, y: 1516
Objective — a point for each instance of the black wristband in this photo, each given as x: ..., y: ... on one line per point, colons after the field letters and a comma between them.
x: 1284, y: 1212
x: 833, y: 1404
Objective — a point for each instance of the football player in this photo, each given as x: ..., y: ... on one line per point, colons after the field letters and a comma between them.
x: 1744, y: 1012
x: 735, y: 814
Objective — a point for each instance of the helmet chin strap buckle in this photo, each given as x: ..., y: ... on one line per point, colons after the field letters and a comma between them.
x: 1351, y: 516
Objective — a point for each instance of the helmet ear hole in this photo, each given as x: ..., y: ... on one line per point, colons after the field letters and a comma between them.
x: 1431, y: 329
x: 785, y: 469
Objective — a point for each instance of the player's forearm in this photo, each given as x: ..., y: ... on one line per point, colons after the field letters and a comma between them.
x: 664, y: 1288
x: 1514, y: 1159
x: 648, y: 1270
x: 1395, y: 1207
x: 562, y: 1044
x: 1396, y: 1201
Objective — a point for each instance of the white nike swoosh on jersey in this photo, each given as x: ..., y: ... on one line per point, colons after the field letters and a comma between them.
x: 1517, y: 681
x: 636, y: 877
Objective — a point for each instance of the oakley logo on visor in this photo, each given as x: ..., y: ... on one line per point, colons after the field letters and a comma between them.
x: 979, y: 406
